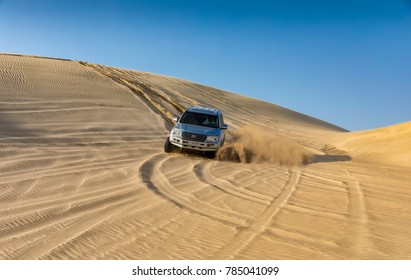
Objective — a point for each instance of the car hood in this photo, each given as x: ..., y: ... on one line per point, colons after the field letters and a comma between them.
x: 197, y: 129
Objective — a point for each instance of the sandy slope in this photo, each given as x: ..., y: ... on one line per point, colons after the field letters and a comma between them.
x: 390, y: 145
x: 83, y: 175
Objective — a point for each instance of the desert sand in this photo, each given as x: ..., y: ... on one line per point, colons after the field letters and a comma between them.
x: 83, y: 174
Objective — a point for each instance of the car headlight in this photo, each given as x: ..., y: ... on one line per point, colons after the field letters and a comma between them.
x: 176, y: 133
x: 212, y: 139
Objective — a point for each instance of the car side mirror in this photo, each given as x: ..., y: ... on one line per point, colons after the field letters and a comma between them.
x: 175, y: 118
x: 225, y: 126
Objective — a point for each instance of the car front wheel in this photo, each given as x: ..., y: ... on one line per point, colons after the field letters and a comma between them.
x: 168, y: 147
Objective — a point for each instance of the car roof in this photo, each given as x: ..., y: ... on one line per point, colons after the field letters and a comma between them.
x: 203, y: 110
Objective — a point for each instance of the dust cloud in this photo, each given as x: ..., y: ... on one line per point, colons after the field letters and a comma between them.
x: 253, y: 144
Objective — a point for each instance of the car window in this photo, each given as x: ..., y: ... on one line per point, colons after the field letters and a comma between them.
x: 200, y: 119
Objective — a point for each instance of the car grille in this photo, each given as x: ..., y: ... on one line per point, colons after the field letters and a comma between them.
x: 194, y: 137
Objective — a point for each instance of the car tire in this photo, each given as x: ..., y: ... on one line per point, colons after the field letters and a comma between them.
x: 168, y: 147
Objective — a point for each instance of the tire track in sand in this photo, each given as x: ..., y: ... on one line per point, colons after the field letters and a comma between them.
x: 156, y: 181
x: 140, y: 90
x: 357, y: 232
x: 246, y: 234
x: 204, y: 174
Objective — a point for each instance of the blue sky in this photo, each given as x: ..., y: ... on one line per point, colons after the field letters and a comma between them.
x: 347, y: 62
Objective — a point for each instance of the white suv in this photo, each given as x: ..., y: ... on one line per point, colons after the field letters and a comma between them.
x: 200, y: 129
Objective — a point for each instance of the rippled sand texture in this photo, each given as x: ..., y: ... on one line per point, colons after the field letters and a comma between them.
x: 83, y: 175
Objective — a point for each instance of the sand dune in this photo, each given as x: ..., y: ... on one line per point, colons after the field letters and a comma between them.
x: 390, y: 145
x: 83, y: 175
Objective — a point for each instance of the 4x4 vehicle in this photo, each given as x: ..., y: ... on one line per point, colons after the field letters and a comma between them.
x: 200, y: 129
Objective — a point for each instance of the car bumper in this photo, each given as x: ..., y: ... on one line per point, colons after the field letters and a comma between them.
x: 193, y: 145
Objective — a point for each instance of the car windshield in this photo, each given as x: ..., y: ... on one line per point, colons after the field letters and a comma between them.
x: 200, y: 119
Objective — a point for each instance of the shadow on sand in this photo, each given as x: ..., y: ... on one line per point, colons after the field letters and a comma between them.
x: 10, y: 128
x: 329, y: 158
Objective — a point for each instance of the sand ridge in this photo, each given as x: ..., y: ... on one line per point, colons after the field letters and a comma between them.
x: 83, y: 175
x: 389, y: 145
